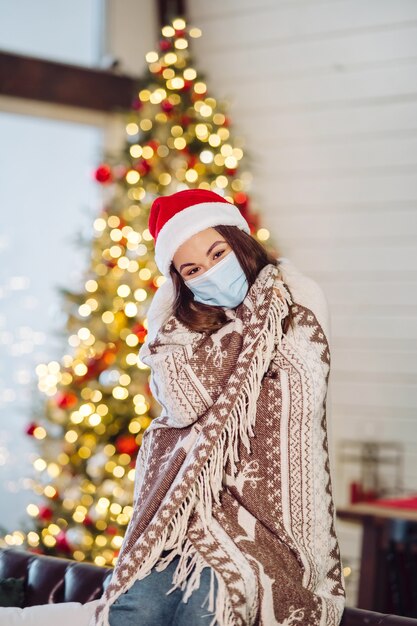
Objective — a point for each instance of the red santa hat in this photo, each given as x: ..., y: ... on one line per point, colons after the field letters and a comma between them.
x: 175, y: 218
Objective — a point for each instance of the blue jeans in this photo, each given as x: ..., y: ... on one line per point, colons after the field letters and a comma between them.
x: 145, y: 603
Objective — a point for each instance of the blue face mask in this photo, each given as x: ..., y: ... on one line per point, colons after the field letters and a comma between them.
x: 225, y: 284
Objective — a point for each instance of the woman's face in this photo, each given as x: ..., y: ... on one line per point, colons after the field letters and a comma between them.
x: 199, y: 253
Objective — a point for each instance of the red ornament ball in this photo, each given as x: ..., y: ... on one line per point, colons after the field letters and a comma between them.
x: 103, y: 173
x: 165, y: 45
x: 66, y: 400
x: 167, y: 106
x: 143, y: 167
x: 126, y: 444
x: 137, y: 104
x: 30, y: 428
x: 45, y: 513
x: 62, y: 542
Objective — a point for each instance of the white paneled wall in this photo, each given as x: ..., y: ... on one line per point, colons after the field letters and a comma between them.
x: 325, y: 95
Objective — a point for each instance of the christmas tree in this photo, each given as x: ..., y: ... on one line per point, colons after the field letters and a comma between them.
x: 99, y: 402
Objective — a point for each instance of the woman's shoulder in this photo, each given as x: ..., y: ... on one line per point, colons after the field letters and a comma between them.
x: 307, y: 292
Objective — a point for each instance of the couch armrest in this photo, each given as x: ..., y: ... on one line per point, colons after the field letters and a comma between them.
x: 50, y: 579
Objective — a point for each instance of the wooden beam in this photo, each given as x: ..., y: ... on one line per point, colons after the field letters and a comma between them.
x: 61, y: 83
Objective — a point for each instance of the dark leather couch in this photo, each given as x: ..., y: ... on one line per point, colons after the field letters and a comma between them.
x: 50, y: 579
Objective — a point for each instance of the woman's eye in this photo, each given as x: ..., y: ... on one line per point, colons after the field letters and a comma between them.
x: 219, y: 252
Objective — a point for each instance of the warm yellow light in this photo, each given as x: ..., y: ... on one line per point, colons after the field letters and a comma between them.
x: 84, y: 452
x: 223, y: 133
x: 108, y: 317
x: 189, y: 73
x: 54, y: 470
x: 140, y: 294
x: 152, y: 56
x: 159, y: 280
x: 132, y: 128
x: 115, y: 252
x: 125, y: 380
x: 214, y: 141
x: 201, y: 131
x: 221, y: 181
x: 195, y: 32
x: 170, y: 58
x: 71, y: 436
x: 156, y: 97
x: 263, y: 234
x: 94, y: 419
x: 179, y: 23
x: 49, y: 491
x: 141, y: 408
x: 91, y: 286
x: 230, y: 162
x: 135, y: 150
x: 131, y: 310
x: 49, y: 541
x: 103, y: 503
x: 32, y: 510
x: 39, y: 464
x: 175, y: 83
x: 191, y: 175
x: 181, y: 43
x: 132, y: 177
x: 219, y: 119
x: 134, y: 427
x: 123, y: 291
x: 200, y: 87
x: 205, y: 110
x: 144, y: 95
x: 145, y: 124
x: 206, y: 156
x: 164, y: 178
x: 99, y: 224
x: 80, y: 369
x: 147, y: 235
x: 117, y: 541
x: 226, y: 149
x: 84, y: 333
x: 168, y: 31
x: 180, y: 143
x: 147, y: 152
x: 113, y: 221
x: 33, y: 538
x: 115, y: 508
x: 119, y: 471
x: 120, y: 393
x: 39, y: 432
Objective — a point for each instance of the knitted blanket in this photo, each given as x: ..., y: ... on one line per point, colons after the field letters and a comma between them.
x: 234, y: 473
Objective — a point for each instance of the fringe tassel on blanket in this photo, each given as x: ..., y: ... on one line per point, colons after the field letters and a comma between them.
x: 239, y: 427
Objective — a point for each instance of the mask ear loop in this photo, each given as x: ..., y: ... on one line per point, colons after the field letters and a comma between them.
x: 194, y: 281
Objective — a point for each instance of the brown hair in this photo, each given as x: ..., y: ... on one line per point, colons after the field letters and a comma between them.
x: 251, y: 255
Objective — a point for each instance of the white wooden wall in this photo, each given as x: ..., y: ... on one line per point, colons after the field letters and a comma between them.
x: 325, y: 95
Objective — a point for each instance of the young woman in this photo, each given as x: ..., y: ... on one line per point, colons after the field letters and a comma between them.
x: 233, y: 510
x: 233, y: 517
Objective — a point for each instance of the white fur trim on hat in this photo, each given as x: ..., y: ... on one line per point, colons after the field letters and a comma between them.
x: 190, y: 221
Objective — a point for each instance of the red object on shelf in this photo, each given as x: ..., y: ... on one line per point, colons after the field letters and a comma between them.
x: 398, y: 503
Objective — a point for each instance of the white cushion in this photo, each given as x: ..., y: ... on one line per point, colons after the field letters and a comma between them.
x: 62, y: 614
